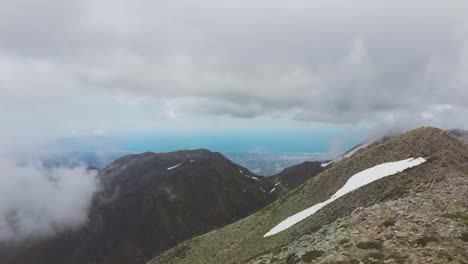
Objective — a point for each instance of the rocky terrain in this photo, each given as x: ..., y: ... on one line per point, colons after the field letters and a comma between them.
x: 415, y: 216
x: 429, y: 225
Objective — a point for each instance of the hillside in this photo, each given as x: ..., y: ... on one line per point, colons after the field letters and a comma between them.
x: 293, y: 176
x: 415, y: 216
x: 149, y: 203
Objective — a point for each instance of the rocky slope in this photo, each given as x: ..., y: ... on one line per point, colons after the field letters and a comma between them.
x: 291, y: 177
x: 416, y: 216
x: 149, y: 203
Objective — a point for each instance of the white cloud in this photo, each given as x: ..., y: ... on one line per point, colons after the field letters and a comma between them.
x: 37, y: 202
x: 124, y: 64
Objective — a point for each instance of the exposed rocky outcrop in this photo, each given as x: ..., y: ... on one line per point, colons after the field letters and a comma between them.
x: 429, y: 225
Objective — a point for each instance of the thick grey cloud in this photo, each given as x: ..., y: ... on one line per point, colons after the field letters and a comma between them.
x: 37, y: 202
x: 327, y: 61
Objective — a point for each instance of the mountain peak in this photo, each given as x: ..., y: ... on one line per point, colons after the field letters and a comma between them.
x: 152, y: 201
x: 441, y: 180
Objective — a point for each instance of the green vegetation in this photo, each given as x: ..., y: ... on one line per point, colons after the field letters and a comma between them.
x: 311, y: 255
x: 389, y: 222
x: 370, y: 244
x: 292, y: 259
x: 460, y: 216
x: 464, y: 236
x: 423, y: 241
x: 181, y: 251
x: 374, y: 257
x: 344, y: 241
x: 445, y: 255
x: 397, y: 257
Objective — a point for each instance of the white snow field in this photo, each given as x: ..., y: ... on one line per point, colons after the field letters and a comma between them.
x: 326, y: 164
x: 173, y: 167
x: 356, y: 181
x: 252, y: 177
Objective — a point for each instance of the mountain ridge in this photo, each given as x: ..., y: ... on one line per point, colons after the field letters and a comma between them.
x: 150, y: 201
x: 243, y: 241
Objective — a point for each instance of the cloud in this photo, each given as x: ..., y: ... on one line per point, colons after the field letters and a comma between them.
x: 99, y: 68
x: 37, y: 202
x: 91, y: 62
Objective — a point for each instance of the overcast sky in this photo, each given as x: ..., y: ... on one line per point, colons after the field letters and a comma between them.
x: 107, y: 67
x: 238, y: 75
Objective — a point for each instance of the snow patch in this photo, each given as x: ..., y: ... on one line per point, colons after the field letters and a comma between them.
x: 173, y: 167
x: 263, y: 190
x: 251, y: 177
x: 272, y: 190
x: 192, y: 161
x: 326, y: 164
x: 356, y: 181
x: 241, y: 171
x: 278, y: 183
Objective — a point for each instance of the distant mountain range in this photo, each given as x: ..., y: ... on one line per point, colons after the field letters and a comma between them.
x: 269, y: 164
x: 261, y: 163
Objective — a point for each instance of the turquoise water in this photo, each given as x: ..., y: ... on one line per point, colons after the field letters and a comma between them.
x: 280, y: 141
x: 264, y: 152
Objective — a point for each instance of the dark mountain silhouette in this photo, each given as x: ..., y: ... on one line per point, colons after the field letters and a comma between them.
x: 150, y: 202
x: 293, y: 176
